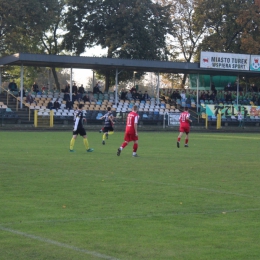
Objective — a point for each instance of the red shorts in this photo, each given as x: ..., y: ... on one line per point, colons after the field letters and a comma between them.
x: 130, y: 137
x: 185, y: 129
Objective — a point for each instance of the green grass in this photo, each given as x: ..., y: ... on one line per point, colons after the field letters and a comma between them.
x: 201, y: 202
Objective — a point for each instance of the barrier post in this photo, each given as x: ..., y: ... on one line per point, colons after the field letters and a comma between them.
x: 206, y: 121
x: 218, y: 121
x: 35, y: 118
x: 51, y: 118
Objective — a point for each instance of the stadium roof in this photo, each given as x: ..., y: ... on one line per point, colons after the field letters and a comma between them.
x: 96, y: 63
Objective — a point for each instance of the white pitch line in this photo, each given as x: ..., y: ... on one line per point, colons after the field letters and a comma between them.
x: 56, y: 243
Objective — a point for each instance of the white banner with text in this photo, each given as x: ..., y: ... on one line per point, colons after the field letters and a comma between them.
x: 227, y: 61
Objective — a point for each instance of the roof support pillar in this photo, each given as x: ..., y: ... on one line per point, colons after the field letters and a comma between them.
x: 237, y: 88
x: 116, y: 95
x: 198, y: 82
x: 158, y: 88
x: 0, y: 79
x: 71, y: 84
x: 21, y: 87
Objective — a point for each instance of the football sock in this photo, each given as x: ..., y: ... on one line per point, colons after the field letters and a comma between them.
x: 186, y: 141
x: 110, y: 133
x: 124, y: 144
x: 85, y: 141
x: 104, y: 137
x: 179, y: 139
x: 135, y: 147
x: 72, y: 142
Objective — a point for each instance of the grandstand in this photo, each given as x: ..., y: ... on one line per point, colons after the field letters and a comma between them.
x: 151, y: 111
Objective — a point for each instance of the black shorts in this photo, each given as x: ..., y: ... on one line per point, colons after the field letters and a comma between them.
x: 80, y: 131
x: 108, y: 129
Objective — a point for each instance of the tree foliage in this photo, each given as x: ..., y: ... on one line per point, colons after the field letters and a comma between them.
x: 130, y: 29
x: 186, y: 33
x: 233, y: 25
x: 31, y: 26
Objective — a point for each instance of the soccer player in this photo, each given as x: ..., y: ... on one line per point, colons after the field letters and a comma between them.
x: 79, y: 129
x: 130, y: 132
x: 108, y: 127
x: 184, y: 126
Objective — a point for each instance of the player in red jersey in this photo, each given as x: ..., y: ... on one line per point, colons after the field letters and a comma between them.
x: 184, y: 127
x: 131, y: 132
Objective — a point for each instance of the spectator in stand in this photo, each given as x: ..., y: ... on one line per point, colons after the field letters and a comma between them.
x: 91, y: 98
x: 206, y: 96
x: 213, y: 88
x: 50, y: 105
x: 129, y: 96
x: 30, y: 99
x: 183, y: 96
x: 212, y: 96
x: 69, y: 104
x: 228, y: 87
x: 228, y: 97
x: 99, y: 87
x: 258, y: 101
x: 35, y: 88
x: 66, y: 96
x: 123, y: 94
x: 139, y: 95
x: 74, y: 97
x: 23, y: 94
x: 133, y: 89
x: 44, y: 89
x: 74, y: 88
x: 254, y: 88
x: 81, y: 91
x: 56, y: 104
x: 175, y: 95
x: 145, y: 96
x: 86, y: 98
x: 67, y: 89
x: 134, y: 95
x: 202, y: 95
x: 254, y: 99
x: 12, y: 86
x: 96, y: 89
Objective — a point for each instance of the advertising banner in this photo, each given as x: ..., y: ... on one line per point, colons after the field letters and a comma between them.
x: 226, y: 61
x: 173, y: 119
x: 255, y: 62
x: 232, y: 110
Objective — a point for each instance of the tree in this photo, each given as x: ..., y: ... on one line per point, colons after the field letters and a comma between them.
x: 186, y: 34
x: 233, y: 25
x: 129, y: 29
x: 31, y: 26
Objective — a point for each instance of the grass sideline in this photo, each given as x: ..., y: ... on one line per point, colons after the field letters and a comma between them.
x: 200, y: 202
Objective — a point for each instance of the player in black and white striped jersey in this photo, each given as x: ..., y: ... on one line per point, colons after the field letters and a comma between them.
x: 79, y: 130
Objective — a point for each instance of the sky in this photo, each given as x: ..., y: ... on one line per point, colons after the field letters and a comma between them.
x: 81, y: 76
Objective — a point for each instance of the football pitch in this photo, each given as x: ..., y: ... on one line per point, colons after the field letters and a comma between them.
x: 201, y: 202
